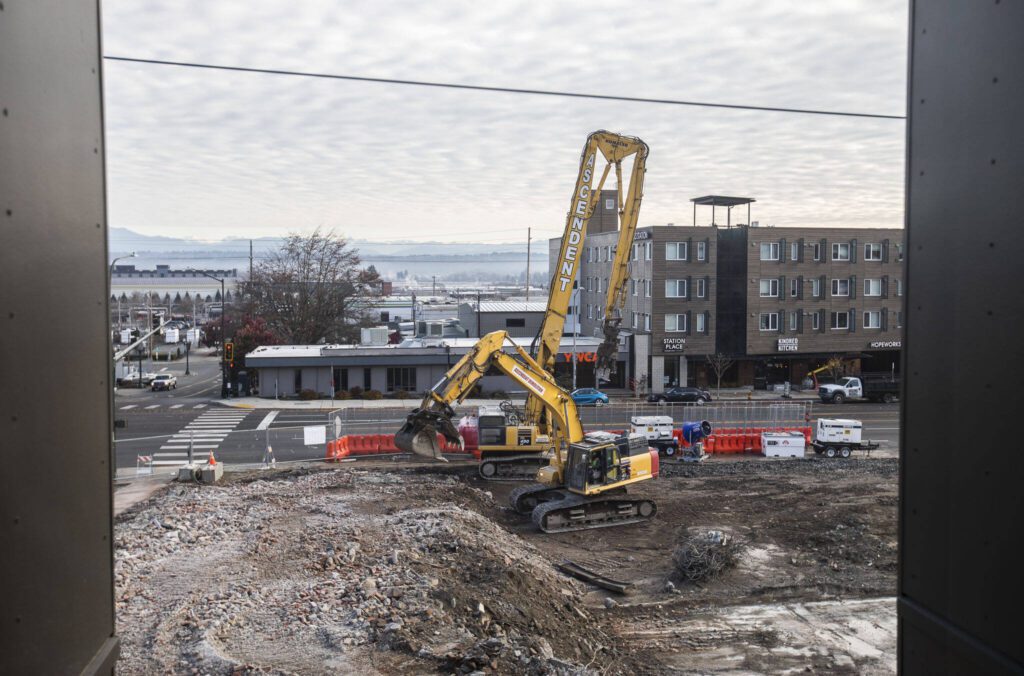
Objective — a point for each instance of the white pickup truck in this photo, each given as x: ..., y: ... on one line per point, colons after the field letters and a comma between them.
x: 874, y: 387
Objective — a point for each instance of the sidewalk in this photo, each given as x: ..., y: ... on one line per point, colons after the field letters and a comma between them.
x: 619, y: 398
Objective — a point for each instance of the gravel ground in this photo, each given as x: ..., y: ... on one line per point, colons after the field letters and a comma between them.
x: 316, y: 572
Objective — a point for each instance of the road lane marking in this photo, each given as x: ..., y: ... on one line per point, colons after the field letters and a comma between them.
x: 265, y: 423
x: 153, y: 406
x: 199, y: 406
x: 163, y: 369
x: 125, y: 408
x: 177, y: 406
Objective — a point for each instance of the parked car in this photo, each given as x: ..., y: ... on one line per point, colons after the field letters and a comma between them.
x: 688, y: 395
x: 588, y: 396
x: 164, y: 381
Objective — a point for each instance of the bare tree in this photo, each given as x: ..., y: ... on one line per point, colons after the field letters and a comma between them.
x: 836, y: 366
x: 720, y: 363
x: 312, y: 290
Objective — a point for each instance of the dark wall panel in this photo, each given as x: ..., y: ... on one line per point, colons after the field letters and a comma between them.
x: 56, y: 611
x: 962, y: 502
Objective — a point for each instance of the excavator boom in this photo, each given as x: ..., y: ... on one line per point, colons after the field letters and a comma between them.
x: 435, y: 415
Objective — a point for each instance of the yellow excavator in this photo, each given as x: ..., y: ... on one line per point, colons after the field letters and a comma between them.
x: 512, y: 443
x: 584, y: 483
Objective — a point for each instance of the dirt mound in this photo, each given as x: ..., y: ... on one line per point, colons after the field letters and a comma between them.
x: 341, y: 571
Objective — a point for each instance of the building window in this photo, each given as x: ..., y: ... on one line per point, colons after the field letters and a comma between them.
x: 590, y: 254
x: 609, y: 203
x: 610, y: 253
x: 872, y: 319
x: 840, y: 252
x: 769, y: 251
x: 816, y: 321
x: 401, y: 378
x: 817, y: 251
x: 367, y: 378
x: 872, y: 287
x: 702, y: 251
x: 633, y: 255
x: 340, y: 376
x: 515, y: 322
x: 840, y: 320
x: 769, y: 321
x: 632, y: 287
x: 298, y: 380
x: 647, y: 287
x: 701, y: 288
x: 899, y: 319
x: 899, y: 287
x: 675, y: 323
x: 872, y: 252
x: 769, y: 288
x: 840, y: 287
x: 634, y: 320
x: 647, y: 322
x: 700, y: 323
x: 816, y: 288
x: 675, y: 251
x: 590, y: 311
x: 793, y: 320
x: 794, y: 287
x: 675, y: 288
x: 794, y: 251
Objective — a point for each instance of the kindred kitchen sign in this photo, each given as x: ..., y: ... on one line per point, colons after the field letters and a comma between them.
x: 789, y: 344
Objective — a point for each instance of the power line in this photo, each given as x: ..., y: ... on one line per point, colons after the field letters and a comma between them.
x: 504, y: 90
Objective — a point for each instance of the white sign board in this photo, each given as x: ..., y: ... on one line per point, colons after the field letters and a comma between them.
x: 789, y: 344
x: 126, y: 336
x: 171, y: 336
x: 314, y: 435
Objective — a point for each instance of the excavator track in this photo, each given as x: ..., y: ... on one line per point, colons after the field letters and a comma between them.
x: 524, y: 499
x: 512, y: 467
x: 576, y: 512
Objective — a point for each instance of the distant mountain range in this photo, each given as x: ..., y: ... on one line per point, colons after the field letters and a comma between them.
x: 123, y: 241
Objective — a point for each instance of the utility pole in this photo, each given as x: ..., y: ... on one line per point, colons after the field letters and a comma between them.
x: 433, y: 285
x: 478, y: 314
x: 250, y: 260
x: 528, y: 233
x: 575, y: 330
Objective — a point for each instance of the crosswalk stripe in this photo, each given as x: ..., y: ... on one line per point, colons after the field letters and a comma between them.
x: 153, y: 406
x: 199, y: 406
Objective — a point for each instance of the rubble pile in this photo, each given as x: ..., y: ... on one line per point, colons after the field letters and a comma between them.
x: 339, y: 571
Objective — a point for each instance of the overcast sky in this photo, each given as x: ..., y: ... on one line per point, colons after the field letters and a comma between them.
x: 206, y: 154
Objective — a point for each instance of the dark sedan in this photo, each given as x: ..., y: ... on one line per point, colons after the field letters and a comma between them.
x: 687, y: 395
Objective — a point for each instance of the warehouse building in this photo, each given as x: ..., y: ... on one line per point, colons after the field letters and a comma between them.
x: 414, y: 366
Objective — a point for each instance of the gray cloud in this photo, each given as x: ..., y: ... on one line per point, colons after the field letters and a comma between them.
x: 210, y: 154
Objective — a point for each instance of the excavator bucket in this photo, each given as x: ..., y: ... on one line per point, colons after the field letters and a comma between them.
x: 419, y: 433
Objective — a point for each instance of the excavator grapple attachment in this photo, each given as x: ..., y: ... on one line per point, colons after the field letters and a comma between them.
x: 419, y: 433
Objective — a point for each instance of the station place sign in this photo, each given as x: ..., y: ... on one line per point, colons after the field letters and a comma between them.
x: 673, y: 344
x: 789, y: 344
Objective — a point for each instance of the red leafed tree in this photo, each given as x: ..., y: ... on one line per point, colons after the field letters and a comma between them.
x: 253, y: 333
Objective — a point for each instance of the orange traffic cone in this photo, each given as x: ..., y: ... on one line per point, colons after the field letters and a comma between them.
x: 212, y: 461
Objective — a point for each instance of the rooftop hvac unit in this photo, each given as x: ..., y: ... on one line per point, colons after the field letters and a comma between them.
x: 755, y: 224
x: 377, y: 335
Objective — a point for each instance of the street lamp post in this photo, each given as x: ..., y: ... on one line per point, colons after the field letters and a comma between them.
x: 110, y: 283
x: 223, y: 337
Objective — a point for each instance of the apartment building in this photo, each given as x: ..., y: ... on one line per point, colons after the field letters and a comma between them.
x: 777, y: 301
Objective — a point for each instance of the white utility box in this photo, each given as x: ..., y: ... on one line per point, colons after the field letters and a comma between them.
x: 783, y: 444
x: 838, y: 431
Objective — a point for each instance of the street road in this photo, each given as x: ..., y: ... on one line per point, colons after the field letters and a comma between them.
x: 162, y: 425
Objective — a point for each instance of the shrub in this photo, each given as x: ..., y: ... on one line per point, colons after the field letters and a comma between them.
x: 372, y: 395
x: 306, y: 395
x: 356, y: 392
x: 342, y: 394
x: 401, y: 394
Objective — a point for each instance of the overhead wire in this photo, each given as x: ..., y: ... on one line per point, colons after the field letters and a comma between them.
x: 502, y: 90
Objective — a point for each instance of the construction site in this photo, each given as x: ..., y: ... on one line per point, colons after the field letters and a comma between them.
x: 405, y: 566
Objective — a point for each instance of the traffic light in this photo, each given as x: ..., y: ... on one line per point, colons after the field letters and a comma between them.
x: 229, y: 354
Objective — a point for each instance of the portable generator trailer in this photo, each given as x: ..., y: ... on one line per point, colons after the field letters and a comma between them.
x: 839, y: 437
